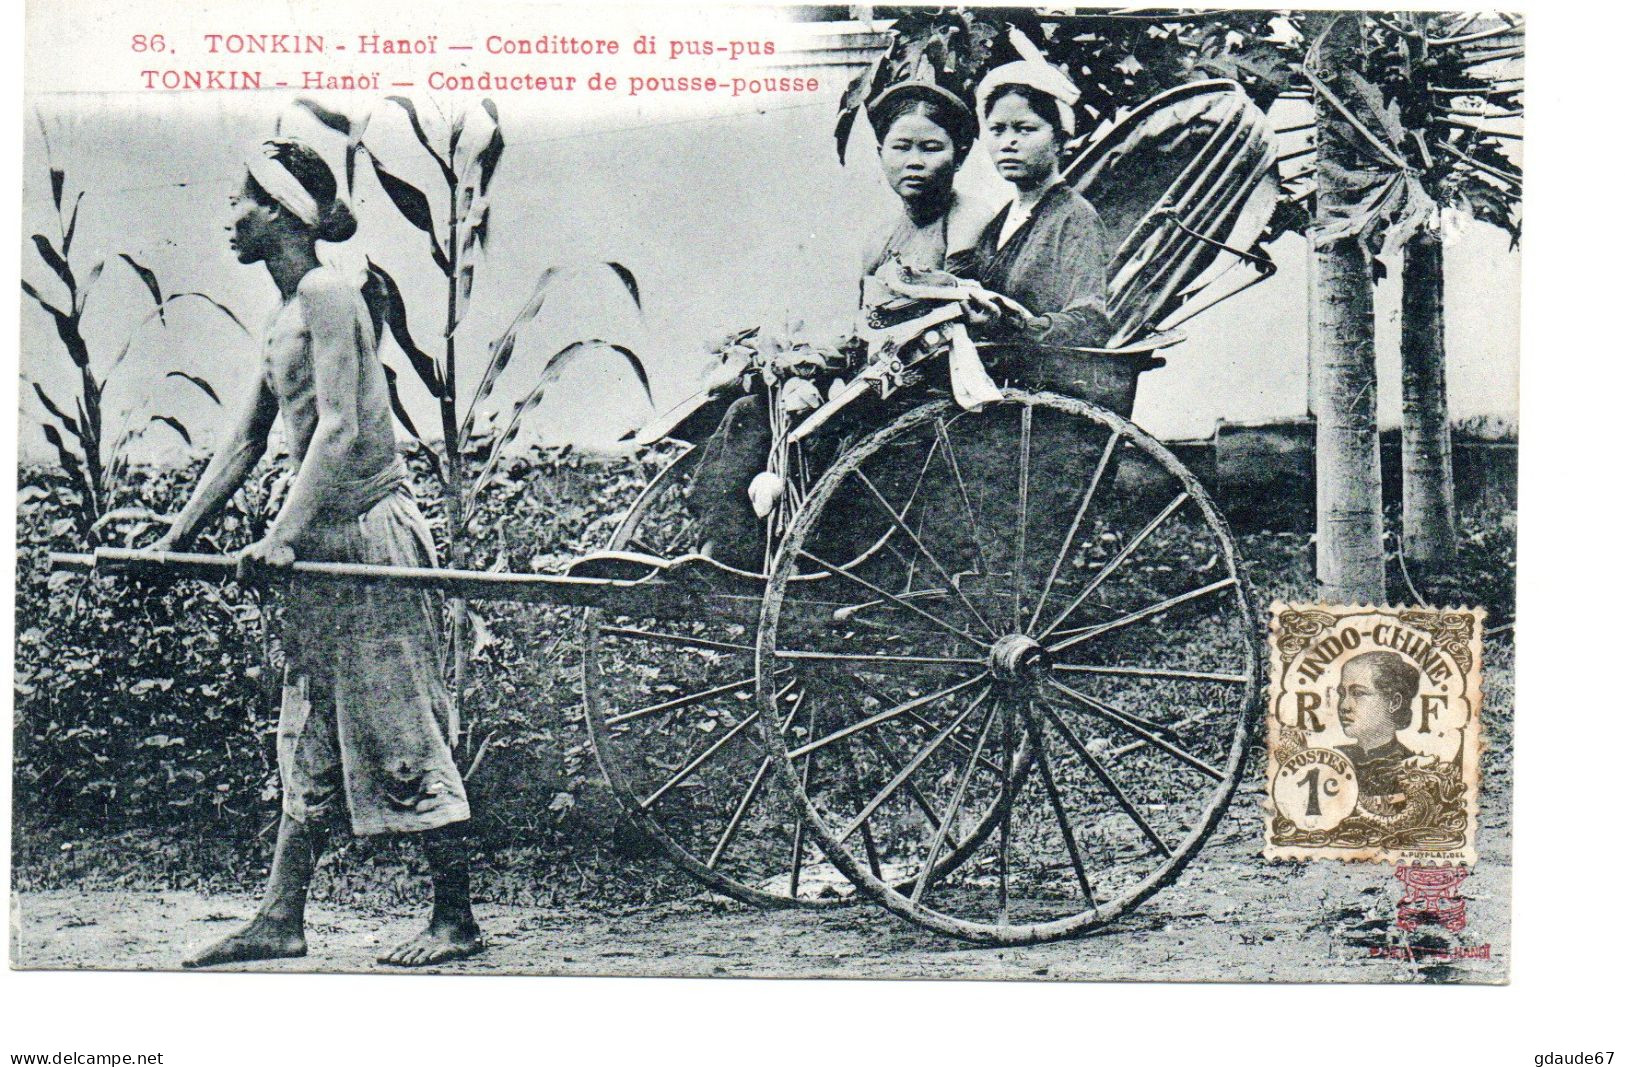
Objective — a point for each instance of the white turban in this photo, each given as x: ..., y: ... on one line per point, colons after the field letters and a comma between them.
x: 1034, y: 74
x: 284, y: 188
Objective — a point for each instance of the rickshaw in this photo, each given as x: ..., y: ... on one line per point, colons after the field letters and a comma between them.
x: 999, y: 669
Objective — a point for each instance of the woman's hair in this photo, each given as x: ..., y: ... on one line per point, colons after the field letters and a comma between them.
x: 960, y: 122
x: 336, y: 221
x: 1044, y: 105
x: 1393, y: 677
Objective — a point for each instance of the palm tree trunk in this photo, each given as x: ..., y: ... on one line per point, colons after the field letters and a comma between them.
x: 1429, y: 482
x: 1348, y: 481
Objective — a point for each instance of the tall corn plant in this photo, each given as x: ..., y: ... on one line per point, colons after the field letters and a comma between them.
x: 94, y: 456
x: 466, y: 158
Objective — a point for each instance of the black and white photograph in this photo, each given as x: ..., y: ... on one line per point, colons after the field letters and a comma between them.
x: 804, y: 491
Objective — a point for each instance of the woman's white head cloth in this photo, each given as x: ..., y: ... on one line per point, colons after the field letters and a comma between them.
x: 278, y: 181
x: 1033, y: 71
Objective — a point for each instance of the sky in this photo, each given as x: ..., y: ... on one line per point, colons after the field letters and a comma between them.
x: 729, y: 215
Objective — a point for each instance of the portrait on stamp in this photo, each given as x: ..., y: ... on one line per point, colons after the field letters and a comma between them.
x: 1373, y: 733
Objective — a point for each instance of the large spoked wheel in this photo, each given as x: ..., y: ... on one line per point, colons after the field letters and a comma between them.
x: 670, y: 713
x: 1063, y: 597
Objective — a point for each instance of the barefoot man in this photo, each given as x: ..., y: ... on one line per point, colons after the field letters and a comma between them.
x: 365, y: 715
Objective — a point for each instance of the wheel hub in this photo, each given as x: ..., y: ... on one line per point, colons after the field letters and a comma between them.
x: 1017, y: 657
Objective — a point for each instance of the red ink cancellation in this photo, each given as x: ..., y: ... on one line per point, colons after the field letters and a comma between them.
x: 1430, y: 897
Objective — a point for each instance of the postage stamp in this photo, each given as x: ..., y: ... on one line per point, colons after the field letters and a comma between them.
x: 1374, y: 733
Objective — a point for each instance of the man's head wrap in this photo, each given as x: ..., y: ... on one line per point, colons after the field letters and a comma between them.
x: 331, y: 222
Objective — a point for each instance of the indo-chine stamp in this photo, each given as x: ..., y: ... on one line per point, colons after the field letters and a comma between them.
x: 1374, y: 733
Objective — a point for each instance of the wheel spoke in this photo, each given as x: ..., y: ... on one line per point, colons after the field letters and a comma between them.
x: 1186, y: 723
x: 1099, y: 770
x: 908, y: 566
x: 851, y: 611
x: 920, y: 720
x: 739, y: 811
x: 799, y: 842
x: 895, y: 600
x: 919, y: 479
x: 961, y: 747
x: 1006, y: 803
x: 675, y: 639
x: 1117, y: 561
x: 751, y: 792
x: 913, y: 495
x: 697, y: 762
x: 1154, y: 672
x: 1024, y: 468
x: 1072, y: 638
x: 686, y: 701
x: 875, y: 658
x: 919, y: 546
x: 872, y: 853
x: 1095, y: 703
x: 797, y: 846
x: 922, y: 880
x: 910, y: 767
x: 1072, y: 531
x: 1149, y: 732
x: 964, y: 496
x: 1036, y: 728
x: 884, y: 716
x: 925, y: 806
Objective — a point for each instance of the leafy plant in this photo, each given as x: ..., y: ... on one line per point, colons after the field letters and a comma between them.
x: 1423, y: 116
x: 948, y: 48
x: 1451, y: 81
x: 1117, y: 60
x: 94, y: 457
x: 1421, y: 108
x: 160, y: 708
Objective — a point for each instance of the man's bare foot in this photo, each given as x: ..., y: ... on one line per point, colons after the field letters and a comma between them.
x: 264, y: 938
x: 439, y: 942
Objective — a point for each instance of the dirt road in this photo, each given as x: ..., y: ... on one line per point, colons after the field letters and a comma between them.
x: 1230, y: 916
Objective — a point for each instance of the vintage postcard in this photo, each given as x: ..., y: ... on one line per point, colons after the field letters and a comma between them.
x: 767, y: 490
x: 1374, y: 733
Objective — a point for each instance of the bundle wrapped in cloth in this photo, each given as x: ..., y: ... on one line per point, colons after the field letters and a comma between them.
x: 905, y: 306
x: 906, y: 303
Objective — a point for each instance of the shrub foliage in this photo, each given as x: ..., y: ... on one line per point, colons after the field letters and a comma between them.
x: 145, y: 709
x: 156, y: 705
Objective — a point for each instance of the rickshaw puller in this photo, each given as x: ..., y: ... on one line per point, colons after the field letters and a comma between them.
x: 366, y: 719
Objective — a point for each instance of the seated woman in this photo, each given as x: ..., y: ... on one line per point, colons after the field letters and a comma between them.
x: 1046, y: 250
x: 924, y: 134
